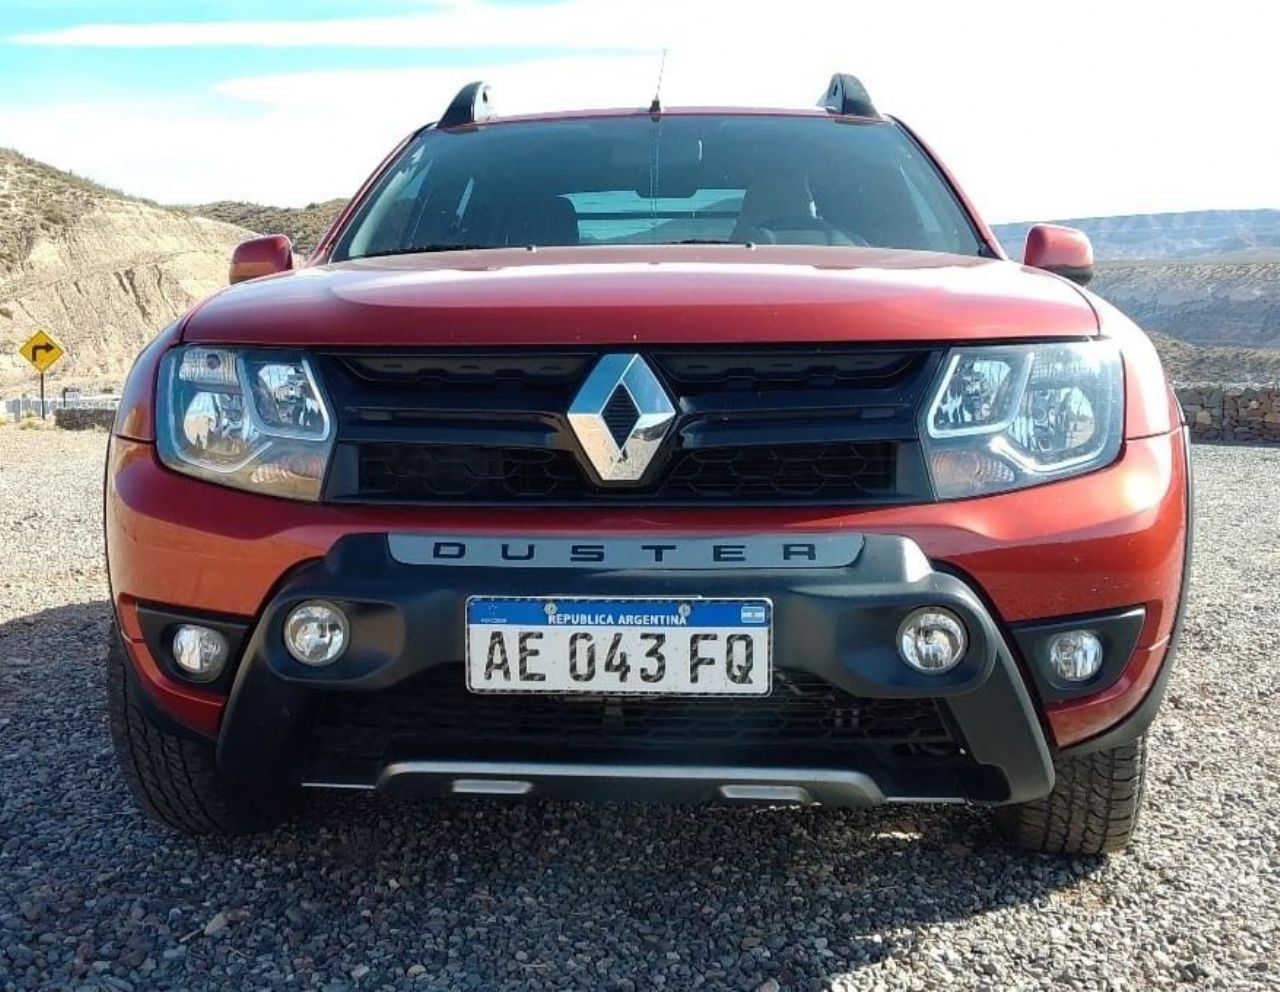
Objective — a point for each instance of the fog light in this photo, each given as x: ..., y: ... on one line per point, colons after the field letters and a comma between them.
x: 1075, y: 655
x: 932, y: 640
x: 200, y: 652
x: 316, y: 633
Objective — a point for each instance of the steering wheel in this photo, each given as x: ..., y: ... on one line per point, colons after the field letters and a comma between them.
x: 806, y: 222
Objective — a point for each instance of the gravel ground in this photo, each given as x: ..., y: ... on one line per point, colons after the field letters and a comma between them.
x: 365, y: 894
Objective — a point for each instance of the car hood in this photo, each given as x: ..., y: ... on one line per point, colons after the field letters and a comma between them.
x: 657, y: 295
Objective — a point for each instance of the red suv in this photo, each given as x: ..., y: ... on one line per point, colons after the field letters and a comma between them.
x: 680, y: 455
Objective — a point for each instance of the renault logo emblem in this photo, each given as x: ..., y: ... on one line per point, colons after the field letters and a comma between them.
x: 621, y: 416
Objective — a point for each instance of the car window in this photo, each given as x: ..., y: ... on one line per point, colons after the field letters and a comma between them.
x: 661, y: 180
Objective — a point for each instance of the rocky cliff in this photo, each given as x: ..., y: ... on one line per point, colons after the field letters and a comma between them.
x: 100, y: 271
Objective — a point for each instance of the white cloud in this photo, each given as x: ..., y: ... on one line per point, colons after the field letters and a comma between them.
x: 163, y: 149
x: 521, y: 87
x: 565, y: 24
x: 1112, y: 110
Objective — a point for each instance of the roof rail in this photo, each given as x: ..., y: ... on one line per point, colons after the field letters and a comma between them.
x: 846, y: 95
x: 470, y: 106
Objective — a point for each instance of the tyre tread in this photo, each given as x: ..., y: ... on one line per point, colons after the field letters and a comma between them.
x: 1093, y: 808
x: 174, y: 780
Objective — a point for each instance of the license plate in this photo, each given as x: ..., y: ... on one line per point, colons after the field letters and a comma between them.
x: 688, y: 647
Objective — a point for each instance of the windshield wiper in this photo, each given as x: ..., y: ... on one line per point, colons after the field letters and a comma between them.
x: 427, y: 249
x: 424, y: 250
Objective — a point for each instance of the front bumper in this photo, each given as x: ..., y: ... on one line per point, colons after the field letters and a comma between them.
x: 1113, y: 541
x: 835, y: 624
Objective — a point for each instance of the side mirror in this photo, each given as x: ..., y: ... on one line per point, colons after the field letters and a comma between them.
x: 1061, y: 250
x: 1064, y: 251
x: 261, y: 257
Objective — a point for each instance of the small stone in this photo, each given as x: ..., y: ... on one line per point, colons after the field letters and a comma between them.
x: 359, y: 971
x: 217, y: 924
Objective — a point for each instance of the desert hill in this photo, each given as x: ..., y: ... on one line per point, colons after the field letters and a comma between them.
x: 101, y: 271
x: 1217, y: 234
x: 1206, y: 277
x: 303, y: 225
x: 1203, y: 302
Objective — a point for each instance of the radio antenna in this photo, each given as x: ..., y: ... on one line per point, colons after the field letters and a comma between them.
x: 656, y: 106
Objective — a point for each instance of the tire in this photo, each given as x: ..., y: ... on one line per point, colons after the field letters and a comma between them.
x: 1093, y: 808
x: 175, y: 780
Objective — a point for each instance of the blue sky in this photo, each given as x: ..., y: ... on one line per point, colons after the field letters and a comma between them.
x: 1042, y: 110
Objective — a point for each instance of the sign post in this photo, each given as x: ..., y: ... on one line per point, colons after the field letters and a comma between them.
x: 41, y: 351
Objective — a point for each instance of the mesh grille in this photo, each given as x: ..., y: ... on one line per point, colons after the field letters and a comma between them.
x: 427, y: 472
x: 434, y: 714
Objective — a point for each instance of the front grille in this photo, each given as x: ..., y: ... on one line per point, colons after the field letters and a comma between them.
x: 803, y: 719
x: 434, y: 472
x: 822, y: 425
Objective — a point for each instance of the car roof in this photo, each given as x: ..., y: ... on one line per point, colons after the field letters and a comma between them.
x: 561, y: 115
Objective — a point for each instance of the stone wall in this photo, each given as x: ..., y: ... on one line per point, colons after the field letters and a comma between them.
x: 84, y: 420
x: 1218, y: 412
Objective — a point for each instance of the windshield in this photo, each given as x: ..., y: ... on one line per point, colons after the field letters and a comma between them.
x: 661, y: 180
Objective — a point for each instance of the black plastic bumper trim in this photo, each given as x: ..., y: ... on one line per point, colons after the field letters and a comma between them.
x: 681, y: 783
x: 140, y: 698
x: 1118, y: 632
x: 158, y: 624
x: 838, y: 624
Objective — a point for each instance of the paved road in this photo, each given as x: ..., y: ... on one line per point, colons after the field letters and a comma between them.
x: 364, y: 894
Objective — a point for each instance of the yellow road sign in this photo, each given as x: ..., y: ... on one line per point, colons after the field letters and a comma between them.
x: 41, y: 351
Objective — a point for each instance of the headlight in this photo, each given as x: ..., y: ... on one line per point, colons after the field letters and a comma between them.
x: 1008, y: 417
x: 251, y: 419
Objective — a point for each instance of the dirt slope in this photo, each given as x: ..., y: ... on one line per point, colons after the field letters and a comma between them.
x: 102, y: 272
x: 304, y: 225
x: 1189, y: 363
